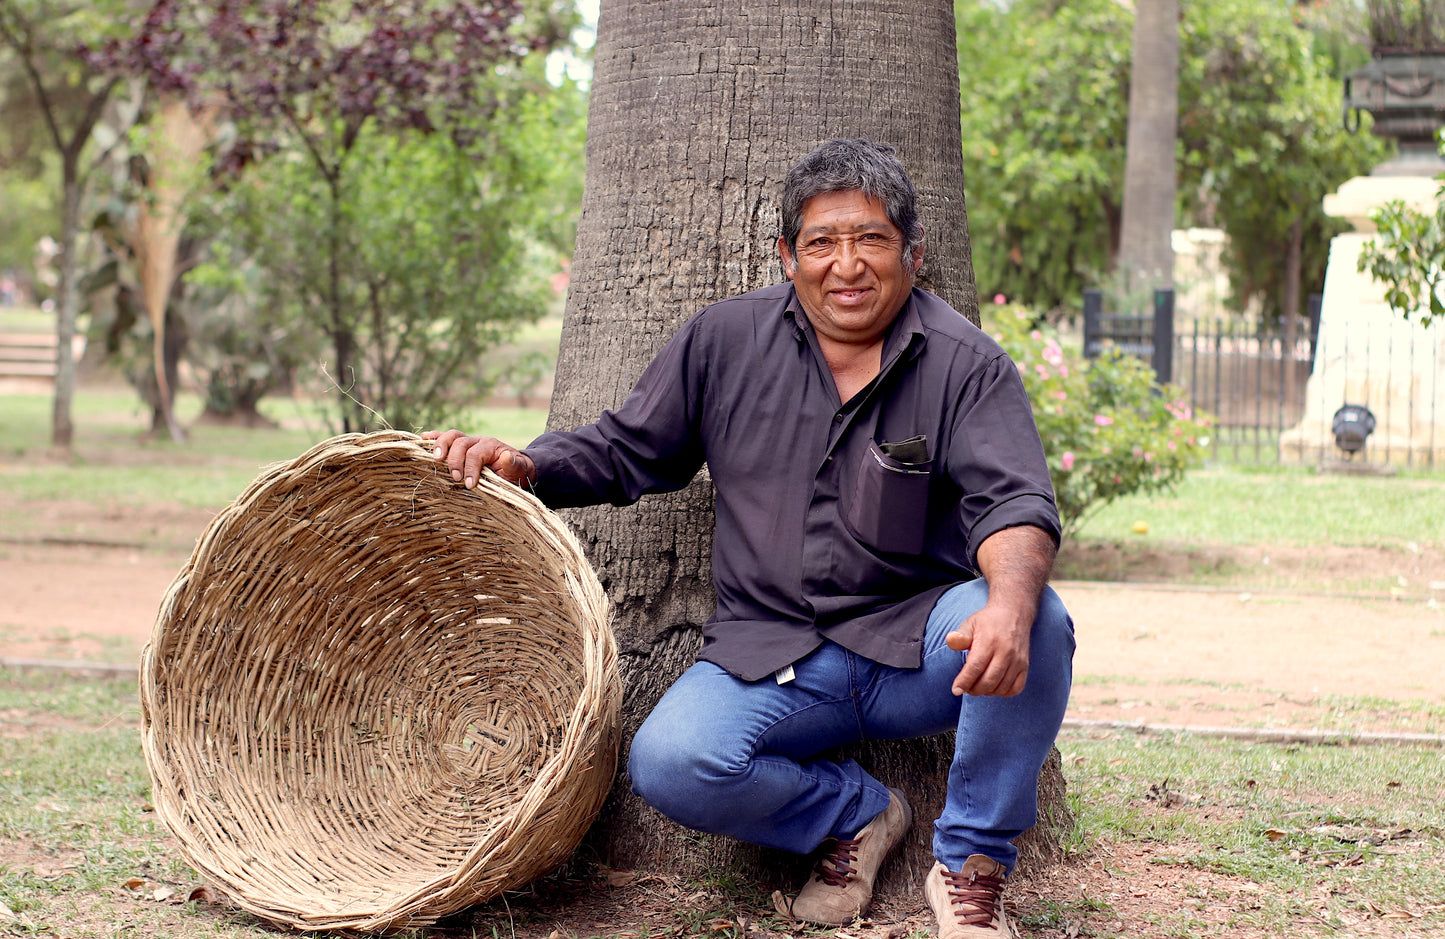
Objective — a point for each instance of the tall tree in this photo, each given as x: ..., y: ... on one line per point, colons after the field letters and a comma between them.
x: 1045, y: 112
x: 1146, y: 255
x: 71, y: 95
x: 319, y: 78
x: 698, y: 109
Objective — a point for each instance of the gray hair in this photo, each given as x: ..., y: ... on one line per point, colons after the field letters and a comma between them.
x: 842, y: 165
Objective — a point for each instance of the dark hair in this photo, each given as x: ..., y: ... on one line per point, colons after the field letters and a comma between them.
x: 841, y: 165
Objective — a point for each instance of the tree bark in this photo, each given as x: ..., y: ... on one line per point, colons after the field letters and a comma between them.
x: 1146, y: 256
x: 697, y: 111
x: 62, y: 428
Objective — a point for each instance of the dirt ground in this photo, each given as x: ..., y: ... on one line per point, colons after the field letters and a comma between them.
x: 1153, y: 653
x: 1150, y: 653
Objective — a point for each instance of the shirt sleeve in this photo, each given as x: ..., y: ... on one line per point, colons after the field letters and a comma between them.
x: 650, y: 444
x: 997, y: 459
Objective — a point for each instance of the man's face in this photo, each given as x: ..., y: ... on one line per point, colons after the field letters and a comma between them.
x: 851, y: 276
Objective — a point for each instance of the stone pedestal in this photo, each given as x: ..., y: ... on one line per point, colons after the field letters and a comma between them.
x: 1368, y: 354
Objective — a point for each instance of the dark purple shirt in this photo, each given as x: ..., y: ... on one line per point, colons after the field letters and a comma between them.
x: 834, y: 521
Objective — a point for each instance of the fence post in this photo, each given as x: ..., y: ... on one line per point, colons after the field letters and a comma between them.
x: 1163, y: 335
x: 1314, y: 313
x: 1093, y: 313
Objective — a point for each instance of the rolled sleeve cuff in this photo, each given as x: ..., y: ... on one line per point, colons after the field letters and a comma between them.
x: 1030, y: 509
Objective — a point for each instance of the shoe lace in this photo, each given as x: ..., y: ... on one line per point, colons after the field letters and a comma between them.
x: 835, y: 867
x: 974, y: 898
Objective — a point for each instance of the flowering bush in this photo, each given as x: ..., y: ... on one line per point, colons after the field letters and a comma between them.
x: 1108, y: 429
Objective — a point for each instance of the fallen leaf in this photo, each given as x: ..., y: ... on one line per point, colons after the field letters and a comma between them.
x: 204, y: 894
x: 163, y: 894
x: 1274, y: 834
x: 620, y: 878
x: 134, y: 883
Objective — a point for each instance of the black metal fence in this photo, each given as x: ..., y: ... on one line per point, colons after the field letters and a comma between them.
x: 1251, y: 379
x: 1255, y: 382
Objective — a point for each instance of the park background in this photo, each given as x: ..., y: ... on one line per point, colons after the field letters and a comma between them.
x: 1297, y: 608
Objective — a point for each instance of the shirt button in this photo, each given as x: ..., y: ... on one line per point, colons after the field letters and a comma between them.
x: 837, y: 418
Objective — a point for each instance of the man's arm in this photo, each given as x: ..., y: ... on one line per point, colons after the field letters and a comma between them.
x: 1015, y: 562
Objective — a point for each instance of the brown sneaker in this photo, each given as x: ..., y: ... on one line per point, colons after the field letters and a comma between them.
x: 841, y: 886
x: 969, y: 904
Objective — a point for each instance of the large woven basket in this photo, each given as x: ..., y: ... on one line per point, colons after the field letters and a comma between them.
x: 372, y: 697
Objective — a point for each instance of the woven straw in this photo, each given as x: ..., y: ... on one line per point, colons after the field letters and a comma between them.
x: 372, y: 697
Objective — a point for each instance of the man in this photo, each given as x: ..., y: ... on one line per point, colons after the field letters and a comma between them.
x: 873, y: 453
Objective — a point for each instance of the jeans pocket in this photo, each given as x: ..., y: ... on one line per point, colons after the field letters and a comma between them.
x: 890, y: 503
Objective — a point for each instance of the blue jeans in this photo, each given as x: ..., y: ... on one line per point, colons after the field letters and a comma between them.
x: 726, y: 756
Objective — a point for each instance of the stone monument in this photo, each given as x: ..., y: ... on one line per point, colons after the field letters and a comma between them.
x: 1367, y: 354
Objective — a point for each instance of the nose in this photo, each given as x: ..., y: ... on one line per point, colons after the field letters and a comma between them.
x: 847, y: 260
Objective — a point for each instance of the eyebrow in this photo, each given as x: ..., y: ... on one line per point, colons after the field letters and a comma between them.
x: 833, y: 229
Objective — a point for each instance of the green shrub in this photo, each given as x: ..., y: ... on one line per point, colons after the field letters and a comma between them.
x: 1109, y: 430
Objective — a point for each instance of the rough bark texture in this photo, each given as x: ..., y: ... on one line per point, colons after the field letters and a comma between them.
x: 698, y: 110
x: 1146, y: 256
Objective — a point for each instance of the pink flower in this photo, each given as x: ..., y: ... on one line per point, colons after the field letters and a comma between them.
x: 1000, y: 299
x: 1103, y: 420
x: 1067, y: 460
x: 1063, y: 371
x: 1061, y: 395
x: 1053, y: 354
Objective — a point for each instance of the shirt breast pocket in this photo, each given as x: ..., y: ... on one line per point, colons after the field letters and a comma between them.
x: 890, y: 500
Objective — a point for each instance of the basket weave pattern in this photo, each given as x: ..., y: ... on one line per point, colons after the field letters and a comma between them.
x: 372, y: 697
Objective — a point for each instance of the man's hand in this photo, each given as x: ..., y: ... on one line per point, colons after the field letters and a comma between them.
x: 465, y: 455
x: 997, y: 640
x: 1016, y: 563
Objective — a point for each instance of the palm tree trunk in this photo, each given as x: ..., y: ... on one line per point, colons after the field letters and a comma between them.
x: 697, y: 111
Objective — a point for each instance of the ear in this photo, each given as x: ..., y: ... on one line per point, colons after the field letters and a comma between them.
x: 787, y: 257
x: 918, y: 250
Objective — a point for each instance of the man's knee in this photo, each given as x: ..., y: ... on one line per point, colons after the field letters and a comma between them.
x: 672, y: 773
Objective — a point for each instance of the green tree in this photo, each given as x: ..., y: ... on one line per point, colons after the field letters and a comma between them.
x: 315, y: 81
x: 1045, y: 108
x: 440, y: 249
x: 69, y: 96
x: 1044, y: 124
x: 1263, y: 134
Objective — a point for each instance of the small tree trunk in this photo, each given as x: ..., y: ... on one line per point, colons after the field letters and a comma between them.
x: 67, y: 302
x: 1146, y: 255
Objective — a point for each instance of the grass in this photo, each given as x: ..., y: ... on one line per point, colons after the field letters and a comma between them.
x: 1330, y: 835
x: 1269, y: 839
x: 116, y: 460
x: 1283, y: 505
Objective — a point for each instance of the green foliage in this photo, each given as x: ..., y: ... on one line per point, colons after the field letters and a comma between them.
x: 434, y: 252
x: 1045, y: 103
x: 1408, y: 257
x: 1108, y: 429
x: 1045, y: 106
x: 1260, y: 129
